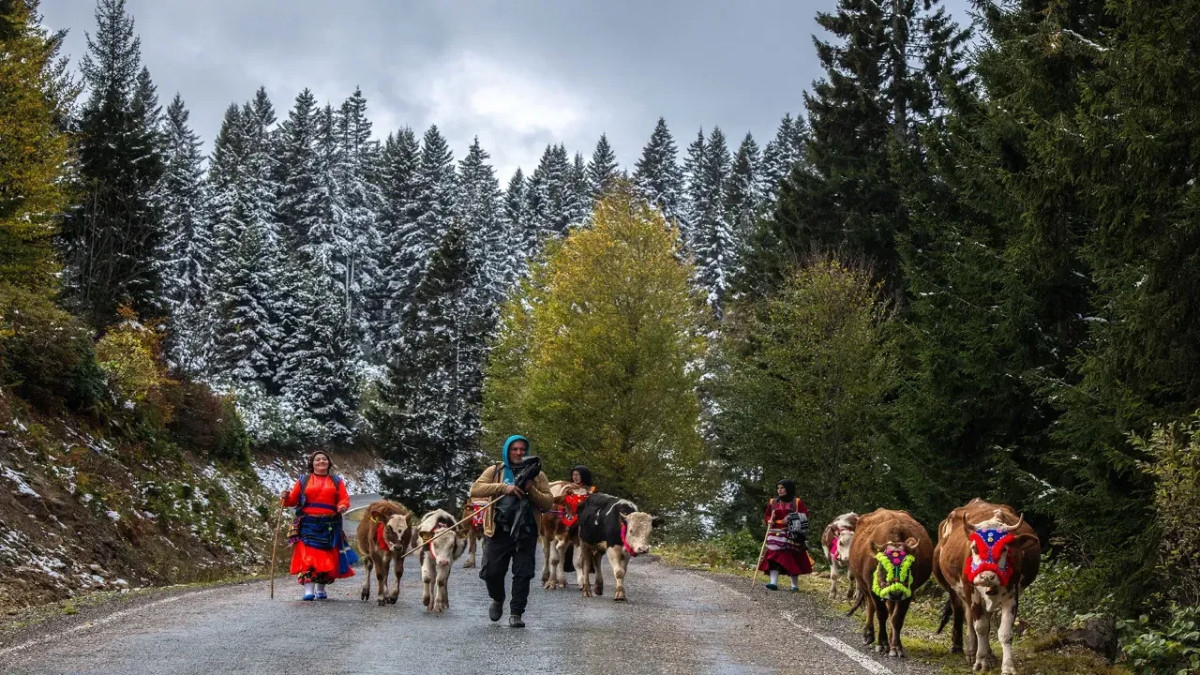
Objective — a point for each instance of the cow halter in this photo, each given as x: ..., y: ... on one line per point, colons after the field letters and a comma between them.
x: 570, y: 514
x: 432, y: 535
x: 993, y: 542
x: 833, y: 546
x: 898, y: 568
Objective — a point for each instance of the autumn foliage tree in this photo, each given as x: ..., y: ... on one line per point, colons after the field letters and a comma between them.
x: 595, y: 359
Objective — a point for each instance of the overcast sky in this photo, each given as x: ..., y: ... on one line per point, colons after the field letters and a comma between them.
x: 519, y: 74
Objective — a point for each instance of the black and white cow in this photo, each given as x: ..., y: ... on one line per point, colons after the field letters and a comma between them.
x: 607, y: 523
x: 439, y: 549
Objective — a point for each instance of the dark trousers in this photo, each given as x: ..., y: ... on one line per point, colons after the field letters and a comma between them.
x: 498, y: 550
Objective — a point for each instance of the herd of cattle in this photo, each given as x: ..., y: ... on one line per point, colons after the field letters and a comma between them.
x: 985, y: 556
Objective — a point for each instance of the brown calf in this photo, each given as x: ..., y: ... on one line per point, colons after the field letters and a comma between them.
x: 887, y: 587
x: 986, y: 554
x: 557, y: 538
x: 384, y: 534
x: 472, y: 529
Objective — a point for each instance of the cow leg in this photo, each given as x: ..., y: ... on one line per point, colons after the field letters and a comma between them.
x: 381, y: 560
x: 585, y: 570
x: 982, y: 619
x: 618, y: 560
x: 549, y: 561
x: 851, y: 587
x: 442, y: 600
x: 899, y: 611
x: 560, y: 561
x: 882, y: 616
x: 580, y: 579
x: 427, y: 579
x: 1008, y: 616
x: 597, y: 555
x: 956, y: 631
x: 398, y: 563
x: 833, y: 578
x: 868, y: 633
x: 366, y: 585
x: 470, y: 562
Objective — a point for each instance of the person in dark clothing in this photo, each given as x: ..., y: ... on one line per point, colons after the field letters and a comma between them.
x: 784, y: 554
x: 581, y: 475
x: 510, y: 531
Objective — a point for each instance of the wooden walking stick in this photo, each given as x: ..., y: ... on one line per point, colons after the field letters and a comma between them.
x: 275, y: 545
x: 447, y: 530
x: 762, y: 548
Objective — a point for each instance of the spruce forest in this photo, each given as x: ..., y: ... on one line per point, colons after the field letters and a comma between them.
x: 968, y: 268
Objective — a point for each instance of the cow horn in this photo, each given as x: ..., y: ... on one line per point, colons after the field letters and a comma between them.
x: 876, y: 548
x: 911, y: 544
x: 966, y: 525
x: 1013, y: 528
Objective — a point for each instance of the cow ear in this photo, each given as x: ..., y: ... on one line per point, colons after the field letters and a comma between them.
x: 1026, y: 536
x: 911, y: 544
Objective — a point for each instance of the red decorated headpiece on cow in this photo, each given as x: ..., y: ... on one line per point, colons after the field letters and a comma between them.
x: 988, y: 542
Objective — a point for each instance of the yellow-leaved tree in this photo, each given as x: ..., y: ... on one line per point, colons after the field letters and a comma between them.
x: 597, y: 359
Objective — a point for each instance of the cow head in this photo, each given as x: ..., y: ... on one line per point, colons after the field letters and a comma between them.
x: 444, y: 546
x: 893, y: 574
x: 395, y: 531
x: 991, y: 561
x: 636, y: 529
x: 840, y: 550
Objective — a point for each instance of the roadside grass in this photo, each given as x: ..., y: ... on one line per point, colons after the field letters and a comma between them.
x: 1034, y: 655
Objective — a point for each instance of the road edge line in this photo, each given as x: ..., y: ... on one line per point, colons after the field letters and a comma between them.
x: 864, y: 661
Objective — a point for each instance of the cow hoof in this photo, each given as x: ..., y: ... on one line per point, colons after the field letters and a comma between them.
x: 366, y: 595
x: 469, y: 564
x: 985, y: 663
x: 879, y: 649
x: 896, y: 653
x: 599, y: 589
x: 392, y: 599
x: 549, y: 585
x: 619, y: 599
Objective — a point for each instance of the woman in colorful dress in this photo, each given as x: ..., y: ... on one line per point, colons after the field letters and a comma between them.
x: 783, y: 554
x: 320, y: 550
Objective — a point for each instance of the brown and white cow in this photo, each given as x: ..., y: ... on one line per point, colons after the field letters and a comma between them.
x: 438, y: 553
x: 607, y: 523
x: 890, y: 558
x: 835, y: 541
x: 384, y: 534
x: 559, y: 538
x: 986, y: 555
x: 472, y: 514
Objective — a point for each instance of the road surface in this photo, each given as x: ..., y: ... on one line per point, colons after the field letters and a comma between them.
x: 676, y: 621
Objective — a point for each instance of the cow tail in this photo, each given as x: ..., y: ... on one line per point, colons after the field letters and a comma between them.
x: 861, y: 598
x: 947, y: 612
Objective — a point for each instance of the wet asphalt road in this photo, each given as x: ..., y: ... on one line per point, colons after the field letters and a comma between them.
x: 676, y: 621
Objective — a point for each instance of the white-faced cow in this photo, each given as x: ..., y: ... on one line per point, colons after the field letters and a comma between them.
x: 472, y: 513
x: 559, y: 530
x: 835, y: 540
x: 891, y: 557
x: 384, y: 534
x: 986, y: 555
x: 438, y: 553
x: 607, y: 523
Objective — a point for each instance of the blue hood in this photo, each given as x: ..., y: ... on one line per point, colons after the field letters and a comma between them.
x: 509, y: 477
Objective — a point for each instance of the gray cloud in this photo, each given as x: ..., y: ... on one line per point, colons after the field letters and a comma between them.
x: 517, y: 73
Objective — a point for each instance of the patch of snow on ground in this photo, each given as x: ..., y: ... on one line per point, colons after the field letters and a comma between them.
x: 22, y: 487
x: 273, y: 477
x: 114, y: 515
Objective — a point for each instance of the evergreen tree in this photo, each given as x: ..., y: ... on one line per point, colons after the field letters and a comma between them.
x: 432, y: 210
x: 111, y: 243
x: 298, y: 174
x: 548, y: 194
x: 657, y: 174
x: 399, y: 164
x: 709, y: 231
x: 188, y: 243
x: 577, y: 202
x: 522, y: 233
x: 363, y: 203
x: 603, y: 168
x: 744, y: 194
x: 34, y: 153
x: 427, y: 415
x: 480, y: 212
x: 885, y: 71
x: 781, y: 157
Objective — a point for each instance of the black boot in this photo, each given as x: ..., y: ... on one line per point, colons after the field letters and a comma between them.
x: 515, y: 621
x: 495, y: 610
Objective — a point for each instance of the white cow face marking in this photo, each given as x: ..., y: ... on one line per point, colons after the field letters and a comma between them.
x: 844, y: 539
x: 638, y: 526
x: 394, y: 530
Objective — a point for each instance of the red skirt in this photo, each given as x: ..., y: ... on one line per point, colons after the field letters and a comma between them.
x: 783, y: 555
x: 316, y: 561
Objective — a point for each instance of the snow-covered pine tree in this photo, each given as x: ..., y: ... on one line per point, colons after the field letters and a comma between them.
x: 782, y: 154
x: 432, y: 212
x: 111, y: 244
x: 298, y: 173
x: 695, y: 195
x: 428, y: 411
x: 602, y: 169
x: 657, y: 174
x: 577, y: 201
x: 479, y: 208
x: 399, y: 162
x: 709, y: 232
x: 522, y: 232
x: 743, y: 197
x: 186, y: 257
x: 547, y: 193
x: 243, y: 310
x: 363, y: 203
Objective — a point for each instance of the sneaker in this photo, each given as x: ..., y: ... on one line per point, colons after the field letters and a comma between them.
x: 515, y: 621
x: 772, y: 587
x: 322, y: 596
x: 308, y: 596
x: 795, y: 589
x: 495, y: 610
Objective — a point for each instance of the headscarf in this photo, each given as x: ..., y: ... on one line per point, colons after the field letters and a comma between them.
x: 789, y: 489
x: 509, y: 476
x: 312, y: 458
x: 585, y: 476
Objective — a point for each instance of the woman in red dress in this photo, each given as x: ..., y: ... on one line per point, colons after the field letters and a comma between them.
x: 319, y: 553
x: 783, y: 554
